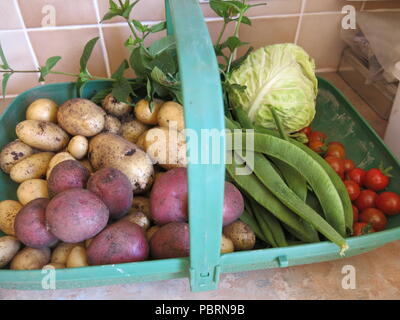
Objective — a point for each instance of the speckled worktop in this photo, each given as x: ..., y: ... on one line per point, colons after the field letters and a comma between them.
x: 377, y: 272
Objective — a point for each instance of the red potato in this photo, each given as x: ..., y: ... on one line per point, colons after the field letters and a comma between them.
x: 67, y: 175
x: 171, y: 241
x: 233, y: 204
x: 75, y: 215
x: 30, y: 225
x: 120, y: 242
x: 114, y: 188
x: 169, y: 197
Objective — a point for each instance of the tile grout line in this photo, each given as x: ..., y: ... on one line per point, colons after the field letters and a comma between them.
x: 102, y: 40
x: 152, y: 22
x: 27, y: 38
x: 296, y: 37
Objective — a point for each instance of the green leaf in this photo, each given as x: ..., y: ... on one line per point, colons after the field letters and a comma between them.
x: 122, y: 90
x: 246, y: 20
x: 6, y: 77
x: 99, y: 96
x: 140, y: 61
x: 119, y: 73
x: 158, y: 27
x: 236, y: 64
x: 113, y: 5
x: 50, y: 63
x: 167, y: 61
x: 109, y: 16
x: 233, y: 43
x: 87, y: 52
x: 5, y: 64
x: 128, y: 8
x: 160, y: 45
x: 138, y: 25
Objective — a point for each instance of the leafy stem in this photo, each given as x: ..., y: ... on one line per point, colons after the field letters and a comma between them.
x: 235, y: 34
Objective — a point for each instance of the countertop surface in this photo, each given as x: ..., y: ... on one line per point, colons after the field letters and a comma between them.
x: 377, y: 273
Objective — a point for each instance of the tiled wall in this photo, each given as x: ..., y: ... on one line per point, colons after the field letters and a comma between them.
x: 313, y: 24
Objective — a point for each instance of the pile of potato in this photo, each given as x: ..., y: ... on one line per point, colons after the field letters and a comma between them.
x: 93, y: 187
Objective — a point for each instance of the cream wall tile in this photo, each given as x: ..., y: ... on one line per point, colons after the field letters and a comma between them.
x: 268, y: 31
x: 9, y: 17
x: 329, y: 5
x: 18, y: 55
x: 272, y: 7
x: 145, y: 10
x: 115, y: 37
x: 372, y: 5
x: 56, y: 43
x: 67, y: 12
x: 320, y: 37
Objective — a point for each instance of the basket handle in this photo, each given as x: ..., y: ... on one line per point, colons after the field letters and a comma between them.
x: 204, y: 109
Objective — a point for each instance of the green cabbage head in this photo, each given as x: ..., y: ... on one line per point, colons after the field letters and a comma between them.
x: 279, y: 76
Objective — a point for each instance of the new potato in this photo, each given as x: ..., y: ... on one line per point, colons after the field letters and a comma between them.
x: 166, y: 147
x: 32, y: 189
x: 131, y: 130
x: 114, y: 107
x: 61, y: 252
x: 110, y: 150
x: 77, y: 258
x: 112, y: 125
x: 78, y: 147
x: 8, y: 211
x: 13, y: 153
x: 241, y: 235
x: 30, y: 259
x: 81, y: 117
x: 42, y: 109
x: 42, y: 135
x: 141, y: 204
x: 9, y: 247
x: 139, y: 218
x: 171, y: 115
x: 144, y: 114
x: 32, y: 167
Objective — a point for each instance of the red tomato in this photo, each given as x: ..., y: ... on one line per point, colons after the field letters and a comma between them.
x: 336, y: 150
x: 375, y: 217
x: 337, y: 165
x: 306, y: 131
x: 337, y: 143
x: 317, y: 146
x: 366, y: 199
x: 355, y: 214
x: 375, y: 180
x: 388, y: 202
x: 360, y: 228
x: 317, y: 136
x: 353, y: 189
x: 357, y: 175
x: 348, y: 165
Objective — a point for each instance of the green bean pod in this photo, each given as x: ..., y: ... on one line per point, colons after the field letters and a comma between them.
x: 310, y: 169
x: 264, y: 197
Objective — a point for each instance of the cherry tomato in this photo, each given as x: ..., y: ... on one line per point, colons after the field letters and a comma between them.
x: 337, y: 143
x: 317, y: 136
x: 348, y: 165
x: 306, y: 131
x: 375, y: 180
x: 375, y: 217
x: 357, y: 175
x: 353, y: 189
x: 355, y: 214
x: 337, y: 165
x: 388, y: 202
x: 366, y: 199
x: 317, y: 146
x: 360, y: 228
x: 336, y: 150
